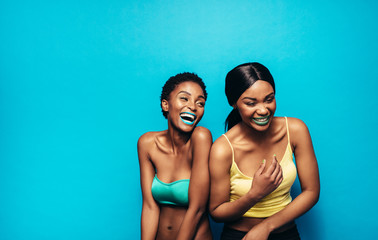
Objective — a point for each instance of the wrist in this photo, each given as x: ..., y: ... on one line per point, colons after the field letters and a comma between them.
x: 269, y: 225
x: 254, y: 195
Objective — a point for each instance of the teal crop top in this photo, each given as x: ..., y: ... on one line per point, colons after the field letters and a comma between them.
x: 174, y: 193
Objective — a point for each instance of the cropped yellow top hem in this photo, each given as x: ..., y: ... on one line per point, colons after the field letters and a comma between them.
x: 276, y: 200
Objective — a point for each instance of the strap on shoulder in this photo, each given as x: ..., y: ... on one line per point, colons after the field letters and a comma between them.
x: 287, y: 130
x: 232, y: 149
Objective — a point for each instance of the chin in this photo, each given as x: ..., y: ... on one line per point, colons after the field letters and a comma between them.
x: 187, y: 128
x: 260, y: 128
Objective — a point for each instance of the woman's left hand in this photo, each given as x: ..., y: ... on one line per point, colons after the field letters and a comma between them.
x: 258, y: 232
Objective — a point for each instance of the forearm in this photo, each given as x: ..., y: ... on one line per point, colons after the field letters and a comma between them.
x: 149, y: 223
x: 190, y: 223
x: 199, y: 184
x: 300, y: 205
x: 230, y: 211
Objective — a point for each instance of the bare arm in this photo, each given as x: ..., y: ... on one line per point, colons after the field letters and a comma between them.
x: 150, y: 209
x: 221, y: 209
x: 199, y: 183
x: 309, y: 179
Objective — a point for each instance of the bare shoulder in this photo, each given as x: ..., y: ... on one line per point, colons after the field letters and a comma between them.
x: 147, y: 139
x: 221, y: 150
x: 299, y: 132
x: 296, y: 126
x: 201, y: 134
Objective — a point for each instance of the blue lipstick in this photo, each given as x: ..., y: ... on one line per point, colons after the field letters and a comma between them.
x: 188, y: 117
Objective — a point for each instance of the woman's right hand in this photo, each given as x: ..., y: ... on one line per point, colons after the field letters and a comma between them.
x: 266, y: 182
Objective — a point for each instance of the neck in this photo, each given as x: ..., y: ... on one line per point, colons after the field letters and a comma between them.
x: 255, y: 135
x: 177, y: 139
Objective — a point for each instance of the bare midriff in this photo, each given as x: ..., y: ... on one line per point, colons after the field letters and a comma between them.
x: 247, y: 223
x: 170, y: 220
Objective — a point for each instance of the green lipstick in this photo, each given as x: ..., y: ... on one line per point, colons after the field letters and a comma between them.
x: 261, y: 120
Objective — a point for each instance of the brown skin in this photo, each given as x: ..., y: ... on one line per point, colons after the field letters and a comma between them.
x: 181, y: 152
x: 252, y: 143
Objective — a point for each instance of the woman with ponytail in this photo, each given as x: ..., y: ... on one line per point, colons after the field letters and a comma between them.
x: 251, y: 165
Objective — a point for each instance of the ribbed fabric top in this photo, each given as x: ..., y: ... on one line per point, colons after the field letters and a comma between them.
x: 276, y: 200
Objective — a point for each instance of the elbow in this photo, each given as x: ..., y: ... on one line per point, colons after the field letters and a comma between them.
x: 316, y: 197
x: 218, y: 214
x: 216, y: 217
x: 221, y: 219
x: 315, y: 194
x: 150, y: 206
x: 198, y: 211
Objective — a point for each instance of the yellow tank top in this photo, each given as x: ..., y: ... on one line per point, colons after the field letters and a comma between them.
x: 276, y: 200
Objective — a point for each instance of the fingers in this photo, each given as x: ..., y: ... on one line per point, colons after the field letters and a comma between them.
x: 272, y: 166
x: 279, y: 177
x: 275, y: 172
x: 261, y: 168
x: 278, y: 169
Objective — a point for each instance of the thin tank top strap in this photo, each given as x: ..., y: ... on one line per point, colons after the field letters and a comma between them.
x: 287, y: 130
x: 232, y: 149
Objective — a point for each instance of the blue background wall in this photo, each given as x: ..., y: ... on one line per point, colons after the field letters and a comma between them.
x: 80, y: 82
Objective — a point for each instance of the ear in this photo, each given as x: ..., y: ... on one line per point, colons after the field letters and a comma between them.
x: 164, y: 105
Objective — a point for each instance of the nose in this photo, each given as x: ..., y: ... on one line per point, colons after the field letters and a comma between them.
x: 192, y: 106
x: 262, y: 110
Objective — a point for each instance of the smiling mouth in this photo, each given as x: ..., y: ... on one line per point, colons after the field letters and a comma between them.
x: 261, y: 120
x: 188, y: 118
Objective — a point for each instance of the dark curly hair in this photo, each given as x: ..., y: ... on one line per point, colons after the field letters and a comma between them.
x: 173, y: 81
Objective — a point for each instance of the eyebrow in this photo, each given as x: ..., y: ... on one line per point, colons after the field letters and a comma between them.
x: 184, y: 92
x: 254, y: 99
x: 200, y: 96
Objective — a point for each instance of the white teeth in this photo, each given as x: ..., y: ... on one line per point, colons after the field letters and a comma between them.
x: 261, y: 119
x: 187, y: 116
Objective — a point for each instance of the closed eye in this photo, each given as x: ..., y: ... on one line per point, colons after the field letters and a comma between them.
x: 250, y: 103
x: 201, y: 104
x: 269, y: 98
